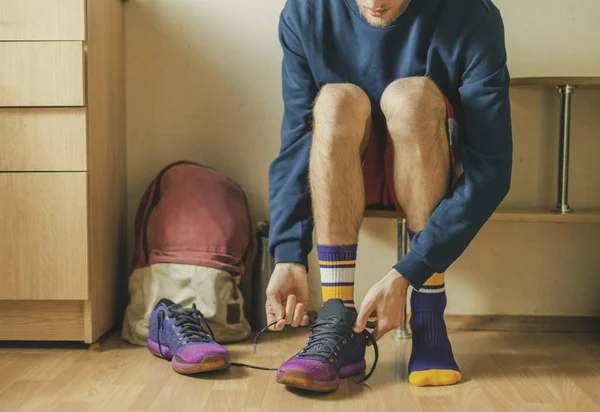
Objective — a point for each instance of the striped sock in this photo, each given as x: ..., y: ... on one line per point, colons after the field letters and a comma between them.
x: 431, y: 362
x: 337, y: 265
x: 435, y: 284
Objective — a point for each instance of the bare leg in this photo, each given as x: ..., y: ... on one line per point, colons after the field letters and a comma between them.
x: 416, y: 118
x: 415, y: 112
x: 341, y: 113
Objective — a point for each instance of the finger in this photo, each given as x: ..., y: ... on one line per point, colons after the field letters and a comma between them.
x: 289, y: 309
x: 304, y: 321
x: 270, y: 316
x: 277, y: 326
x: 275, y: 312
x: 280, y: 325
x: 366, y: 309
x: 372, y: 324
x: 298, y: 315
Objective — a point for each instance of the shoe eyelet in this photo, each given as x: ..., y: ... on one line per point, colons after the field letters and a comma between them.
x: 344, y: 341
x: 338, y: 347
x: 334, y: 354
x: 330, y: 360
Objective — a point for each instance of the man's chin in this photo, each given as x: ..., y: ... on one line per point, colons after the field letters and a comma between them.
x: 377, y: 22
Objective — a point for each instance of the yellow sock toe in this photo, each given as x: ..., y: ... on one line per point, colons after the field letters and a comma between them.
x: 435, y: 377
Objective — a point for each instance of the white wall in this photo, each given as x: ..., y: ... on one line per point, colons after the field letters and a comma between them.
x: 203, y: 83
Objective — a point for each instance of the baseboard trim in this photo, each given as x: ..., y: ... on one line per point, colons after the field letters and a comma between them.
x: 518, y: 323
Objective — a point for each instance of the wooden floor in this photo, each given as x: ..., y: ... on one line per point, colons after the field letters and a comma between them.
x: 502, y: 372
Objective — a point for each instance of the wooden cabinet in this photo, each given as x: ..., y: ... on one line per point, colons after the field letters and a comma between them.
x: 43, y: 20
x: 41, y: 74
x: 43, y: 139
x: 43, y: 236
x: 62, y: 168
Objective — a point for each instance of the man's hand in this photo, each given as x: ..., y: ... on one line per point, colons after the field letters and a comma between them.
x: 287, y: 296
x: 385, y: 300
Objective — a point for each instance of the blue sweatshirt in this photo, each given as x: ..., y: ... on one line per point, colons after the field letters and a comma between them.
x: 460, y: 45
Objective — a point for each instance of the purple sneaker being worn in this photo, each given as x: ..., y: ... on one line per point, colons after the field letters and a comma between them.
x: 178, y: 334
x: 332, y: 352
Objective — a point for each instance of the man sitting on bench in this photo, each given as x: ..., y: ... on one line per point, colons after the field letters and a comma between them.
x: 374, y: 92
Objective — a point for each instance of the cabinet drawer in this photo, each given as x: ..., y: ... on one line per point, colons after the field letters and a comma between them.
x: 43, y: 139
x: 43, y: 236
x: 42, y: 20
x: 41, y: 74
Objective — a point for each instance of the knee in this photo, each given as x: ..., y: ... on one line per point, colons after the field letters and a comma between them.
x: 342, y: 101
x: 345, y: 107
x: 415, y: 105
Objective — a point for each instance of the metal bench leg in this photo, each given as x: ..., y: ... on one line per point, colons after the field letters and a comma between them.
x: 562, y: 204
x: 402, y: 332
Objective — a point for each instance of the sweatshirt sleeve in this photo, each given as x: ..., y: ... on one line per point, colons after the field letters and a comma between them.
x: 486, y: 150
x: 290, y: 238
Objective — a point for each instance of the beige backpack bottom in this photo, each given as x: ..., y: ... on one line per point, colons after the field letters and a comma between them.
x: 210, y: 289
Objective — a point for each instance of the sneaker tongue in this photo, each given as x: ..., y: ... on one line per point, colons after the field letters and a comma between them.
x: 174, y: 307
x: 335, y: 309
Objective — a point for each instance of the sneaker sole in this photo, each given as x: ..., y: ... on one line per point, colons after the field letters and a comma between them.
x: 154, y: 348
x: 208, y: 364
x: 298, y: 378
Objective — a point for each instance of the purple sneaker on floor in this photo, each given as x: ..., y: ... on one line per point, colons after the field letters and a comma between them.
x: 178, y: 334
x: 332, y: 352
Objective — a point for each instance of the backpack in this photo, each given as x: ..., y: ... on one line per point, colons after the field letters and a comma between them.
x: 193, y: 244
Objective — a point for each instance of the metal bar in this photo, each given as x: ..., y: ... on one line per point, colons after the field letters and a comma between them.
x: 402, y: 332
x: 562, y: 204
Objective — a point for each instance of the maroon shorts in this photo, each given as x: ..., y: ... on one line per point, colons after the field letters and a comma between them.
x: 378, y: 166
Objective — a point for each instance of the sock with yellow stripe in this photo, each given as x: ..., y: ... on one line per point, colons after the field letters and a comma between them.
x: 337, y: 265
x: 431, y: 362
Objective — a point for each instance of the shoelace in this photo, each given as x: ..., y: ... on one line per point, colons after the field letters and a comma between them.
x: 317, y: 336
x: 324, y: 334
x: 245, y: 365
x: 192, y: 323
